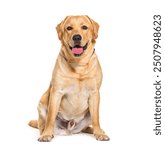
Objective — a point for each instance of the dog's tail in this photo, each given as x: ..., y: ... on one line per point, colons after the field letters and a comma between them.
x: 33, y: 123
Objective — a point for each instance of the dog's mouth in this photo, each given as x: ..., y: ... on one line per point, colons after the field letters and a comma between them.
x: 78, y: 50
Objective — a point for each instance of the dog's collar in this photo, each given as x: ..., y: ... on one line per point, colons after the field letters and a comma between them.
x: 93, y: 51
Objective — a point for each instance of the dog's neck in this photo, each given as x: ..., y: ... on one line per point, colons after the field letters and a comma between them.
x: 79, y: 65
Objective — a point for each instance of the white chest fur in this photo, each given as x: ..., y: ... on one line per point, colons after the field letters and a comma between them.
x: 75, y: 99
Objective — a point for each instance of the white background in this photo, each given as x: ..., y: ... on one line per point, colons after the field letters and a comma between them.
x: 28, y: 50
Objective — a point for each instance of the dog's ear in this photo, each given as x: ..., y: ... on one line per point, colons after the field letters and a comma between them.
x: 95, y: 29
x: 60, y: 28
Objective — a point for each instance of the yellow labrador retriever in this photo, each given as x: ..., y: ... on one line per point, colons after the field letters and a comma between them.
x: 71, y: 103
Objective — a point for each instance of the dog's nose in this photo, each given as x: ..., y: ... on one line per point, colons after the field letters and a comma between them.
x: 77, y: 38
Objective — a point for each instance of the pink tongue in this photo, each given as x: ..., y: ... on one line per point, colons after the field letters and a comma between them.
x: 77, y: 50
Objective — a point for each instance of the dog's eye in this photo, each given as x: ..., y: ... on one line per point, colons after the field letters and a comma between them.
x: 69, y: 28
x: 84, y: 27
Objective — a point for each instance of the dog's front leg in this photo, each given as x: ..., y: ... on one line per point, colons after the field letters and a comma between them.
x: 53, y: 107
x: 94, y: 101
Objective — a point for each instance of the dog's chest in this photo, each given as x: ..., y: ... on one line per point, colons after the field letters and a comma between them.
x: 75, y: 99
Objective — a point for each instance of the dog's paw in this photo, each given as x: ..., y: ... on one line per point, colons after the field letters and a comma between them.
x: 102, y: 137
x: 45, y: 138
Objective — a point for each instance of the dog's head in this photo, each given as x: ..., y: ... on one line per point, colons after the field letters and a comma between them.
x: 77, y: 34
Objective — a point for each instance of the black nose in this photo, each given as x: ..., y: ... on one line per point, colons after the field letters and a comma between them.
x: 77, y: 38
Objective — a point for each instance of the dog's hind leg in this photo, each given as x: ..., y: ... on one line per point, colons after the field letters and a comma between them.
x: 33, y: 123
x: 42, y: 110
x: 88, y: 130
